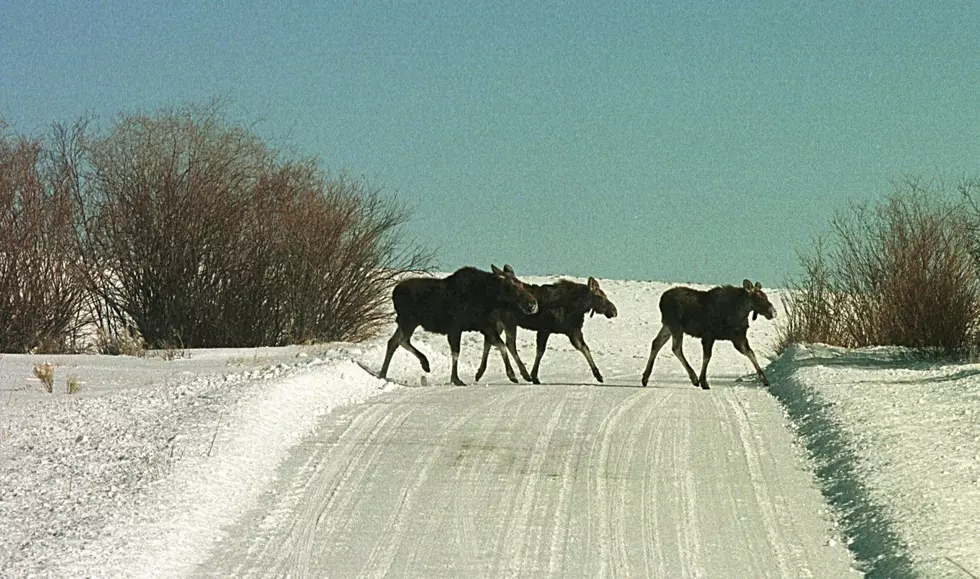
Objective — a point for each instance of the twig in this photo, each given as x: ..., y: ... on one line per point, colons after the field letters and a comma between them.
x: 171, y: 445
x: 212, y: 440
x: 961, y: 567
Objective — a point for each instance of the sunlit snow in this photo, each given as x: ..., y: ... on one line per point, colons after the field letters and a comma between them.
x: 153, y: 463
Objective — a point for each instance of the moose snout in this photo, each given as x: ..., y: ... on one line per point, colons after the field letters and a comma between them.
x: 612, y: 313
x: 530, y: 307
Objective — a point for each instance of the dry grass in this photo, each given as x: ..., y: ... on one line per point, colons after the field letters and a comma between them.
x: 45, y: 373
x: 170, y: 352
x: 72, y: 385
x: 900, y: 273
x: 122, y: 343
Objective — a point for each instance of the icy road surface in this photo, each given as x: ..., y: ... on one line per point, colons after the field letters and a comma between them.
x: 560, y: 480
x: 289, y: 462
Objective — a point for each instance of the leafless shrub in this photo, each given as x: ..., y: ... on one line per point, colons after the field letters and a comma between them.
x: 45, y: 373
x: 40, y: 297
x: 119, y: 343
x: 68, y: 172
x: 899, y: 273
x: 337, y: 254
x: 180, y: 227
x: 199, y: 234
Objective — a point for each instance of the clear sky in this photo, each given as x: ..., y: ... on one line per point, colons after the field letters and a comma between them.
x: 677, y: 141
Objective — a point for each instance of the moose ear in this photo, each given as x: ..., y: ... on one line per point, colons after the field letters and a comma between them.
x: 593, y: 284
x: 747, y: 284
x: 508, y: 269
x: 758, y: 286
x: 495, y: 270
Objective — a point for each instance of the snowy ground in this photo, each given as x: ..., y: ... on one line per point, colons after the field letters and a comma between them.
x: 897, y: 443
x: 155, y: 467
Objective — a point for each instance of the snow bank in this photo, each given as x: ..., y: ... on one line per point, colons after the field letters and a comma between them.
x: 140, y: 482
x: 895, y: 442
x: 208, y: 492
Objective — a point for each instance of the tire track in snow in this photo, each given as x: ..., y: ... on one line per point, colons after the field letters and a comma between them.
x: 508, y: 501
x: 466, y: 529
x: 391, y: 539
x: 518, y: 538
x: 688, y: 529
x: 562, y: 515
x: 672, y: 510
x: 366, y: 425
x: 332, y: 503
x: 626, y: 458
x: 650, y: 520
x: 768, y: 509
x: 598, y: 512
x: 747, y: 527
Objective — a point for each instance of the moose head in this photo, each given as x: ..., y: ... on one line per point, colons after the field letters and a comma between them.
x: 512, y: 290
x: 598, y: 300
x: 760, y: 302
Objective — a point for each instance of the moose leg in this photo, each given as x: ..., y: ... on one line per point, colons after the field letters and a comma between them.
x: 454, y: 339
x: 707, y: 344
x: 542, y: 344
x: 483, y: 360
x: 658, y: 343
x: 678, y: 348
x: 407, y: 343
x: 494, y: 338
x: 578, y: 341
x: 511, y: 334
x: 742, y: 345
x: 402, y: 337
x: 393, y: 343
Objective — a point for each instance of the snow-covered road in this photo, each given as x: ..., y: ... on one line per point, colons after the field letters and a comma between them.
x: 296, y: 462
x: 559, y: 481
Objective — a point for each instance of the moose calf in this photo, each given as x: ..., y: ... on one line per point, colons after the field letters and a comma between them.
x: 720, y: 313
x: 466, y: 301
x: 561, y: 310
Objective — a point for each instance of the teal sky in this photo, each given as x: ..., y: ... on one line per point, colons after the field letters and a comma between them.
x: 674, y: 141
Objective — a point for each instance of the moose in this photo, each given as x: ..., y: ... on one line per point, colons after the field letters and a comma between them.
x: 466, y: 301
x: 561, y: 310
x: 720, y: 313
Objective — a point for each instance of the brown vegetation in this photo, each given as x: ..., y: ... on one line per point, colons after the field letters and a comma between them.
x: 182, y: 228
x: 903, y: 273
x: 40, y: 297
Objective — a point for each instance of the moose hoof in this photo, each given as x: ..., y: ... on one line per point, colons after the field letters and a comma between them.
x: 704, y: 385
x: 599, y: 378
x: 425, y: 366
x: 535, y: 380
x: 644, y: 381
x: 457, y: 382
x: 513, y: 379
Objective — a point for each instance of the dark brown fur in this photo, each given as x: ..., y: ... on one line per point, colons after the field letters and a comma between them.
x: 561, y: 310
x: 721, y: 313
x: 466, y: 301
